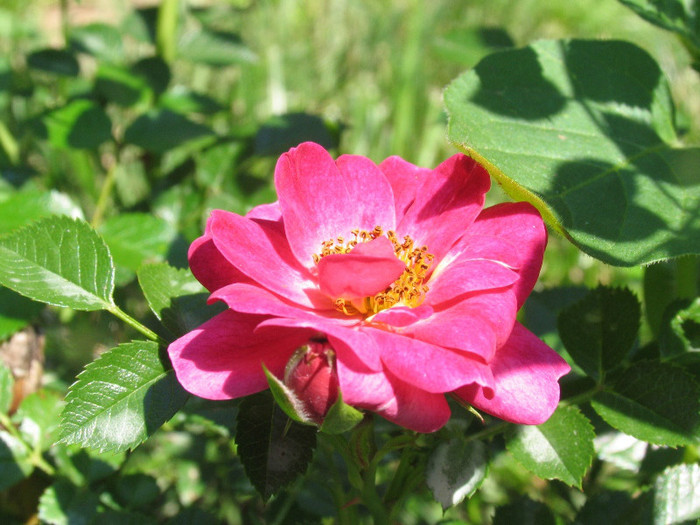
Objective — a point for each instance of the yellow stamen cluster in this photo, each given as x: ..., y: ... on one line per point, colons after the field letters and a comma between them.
x: 407, y: 290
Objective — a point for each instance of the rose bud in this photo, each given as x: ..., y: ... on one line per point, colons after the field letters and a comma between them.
x: 312, y: 376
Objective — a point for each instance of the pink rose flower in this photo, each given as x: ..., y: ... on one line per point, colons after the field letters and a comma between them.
x: 398, y: 269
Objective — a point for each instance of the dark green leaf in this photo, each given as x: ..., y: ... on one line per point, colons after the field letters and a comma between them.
x: 677, y: 495
x: 599, y: 330
x: 120, y: 399
x: 120, y: 85
x: 16, y: 312
x: 6, y: 384
x: 155, y: 72
x: 100, y: 40
x: 56, y: 61
x: 37, y: 417
x: 561, y: 448
x: 273, y: 449
x: 80, y: 124
x: 282, y: 132
x: 135, y: 238
x: 654, y: 402
x: 82, y: 466
x: 681, y: 334
x: 14, y: 460
x: 564, y: 124
x: 160, y: 131
x: 455, y: 470
x: 23, y: 207
x: 214, y: 48
x: 611, y: 508
x: 524, y: 511
x: 59, y: 261
x: 176, y: 297
x: 65, y: 504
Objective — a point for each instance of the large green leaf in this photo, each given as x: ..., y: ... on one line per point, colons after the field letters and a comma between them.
x: 162, y: 130
x: 560, y: 448
x: 80, y: 124
x: 23, y: 207
x: 654, y: 402
x: 582, y: 129
x: 456, y: 470
x: 60, y: 261
x: 677, y: 495
x: 599, y: 330
x: 274, y: 450
x: 120, y: 399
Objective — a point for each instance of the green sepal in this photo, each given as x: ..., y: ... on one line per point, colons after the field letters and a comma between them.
x: 287, y: 400
x: 341, y: 417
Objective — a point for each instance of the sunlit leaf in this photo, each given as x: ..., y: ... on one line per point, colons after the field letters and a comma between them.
x: 23, y: 207
x: 38, y: 417
x: 80, y: 124
x: 677, y: 495
x: 6, y: 383
x: 456, y: 470
x: 654, y: 402
x: 214, y: 48
x: 59, y: 261
x: 100, y: 40
x: 65, y: 504
x: 582, y: 129
x: 561, y: 448
x: 120, y: 399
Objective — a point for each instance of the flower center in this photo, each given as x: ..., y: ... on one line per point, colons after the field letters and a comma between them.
x: 407, y: 290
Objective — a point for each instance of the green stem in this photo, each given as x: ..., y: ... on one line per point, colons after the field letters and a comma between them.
x: 150, y: 334
x: 370, y: 496
x: 166, y: 29
x: 102, y: 200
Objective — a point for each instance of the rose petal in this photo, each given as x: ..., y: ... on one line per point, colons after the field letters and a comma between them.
x: 267, y: 212
x: 259, y: 250
x: 211, y: 268
x: 405, y: 179
x: 222, y: 359
x: 526, y: 372
x: 464, y: 276
x: 446, y: 204
x: 321, y: 199
x: 369, y: 268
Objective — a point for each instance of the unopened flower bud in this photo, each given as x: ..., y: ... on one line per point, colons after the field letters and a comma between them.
x: 312, y: 376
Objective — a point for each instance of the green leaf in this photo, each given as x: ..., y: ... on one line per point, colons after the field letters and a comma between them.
x: 65, y: 504
x: 176, y: 297
x: 273, y: 449
x: 680, y: 336
x: 14, y: 460
x: 455, y: 470
x: 38, y: 417
x: 155, y: 72
x: 599, y: 330
x: 59, y: 261
x: 341, y: 417
x: 6, y: 384
x: 561, y: 448
x: 654, y: 402
x: 608, y: 507
x: 162, y: 130
x: 80, y: 124
x: 181, y: 100
x: 524, y: 511
x: 16, y: 312
x: 56, y: 61
x: 120, y: 85
x: 280, y: 133
x: 214, y: 48
x: 677, y: 495
x: 120, y: 399
x: 563, y: 124
x: 102, y: 41
x: 23, y: 207
x: 136, y: 238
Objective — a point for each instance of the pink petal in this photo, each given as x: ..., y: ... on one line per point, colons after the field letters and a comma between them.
x: 426, y: 366
x: 259, y: 250
x: 446, y: 204
x: 222, y: 359
x: 368, y: 269
x: 267, y: 212
x: 322, y: 200
x: 520, y: 225
x: 405, y: 179
x: 465, y: 276
x: 400, y: 316
x: 360, y: 343
x: 387, y: 395
x: 526, y: 372
x: 211, y: 268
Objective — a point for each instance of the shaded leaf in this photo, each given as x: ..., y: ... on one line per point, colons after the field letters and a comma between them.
x: 65, y: 504
x: 59, y: 261
x: 135, y: 238
x: 654, y: 402
x: 155, y: 72
x: 120, y: 399
x: 561, y: 448
x: 524, y: 511
x: 677, y: 495
x: 176, y: 297
x: 181, y: 100
x: 119, y: 85
x: 162, y: 130
x: 38, y: 417
x: 14, y: 460
x: 586, y: 122
x: 599, y: 330
x: 680, y: 335
x: 16, y: 312
x: 80, y: 124
x: 56, y: 61
x: 273, y: 449
x: 455, y: 470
